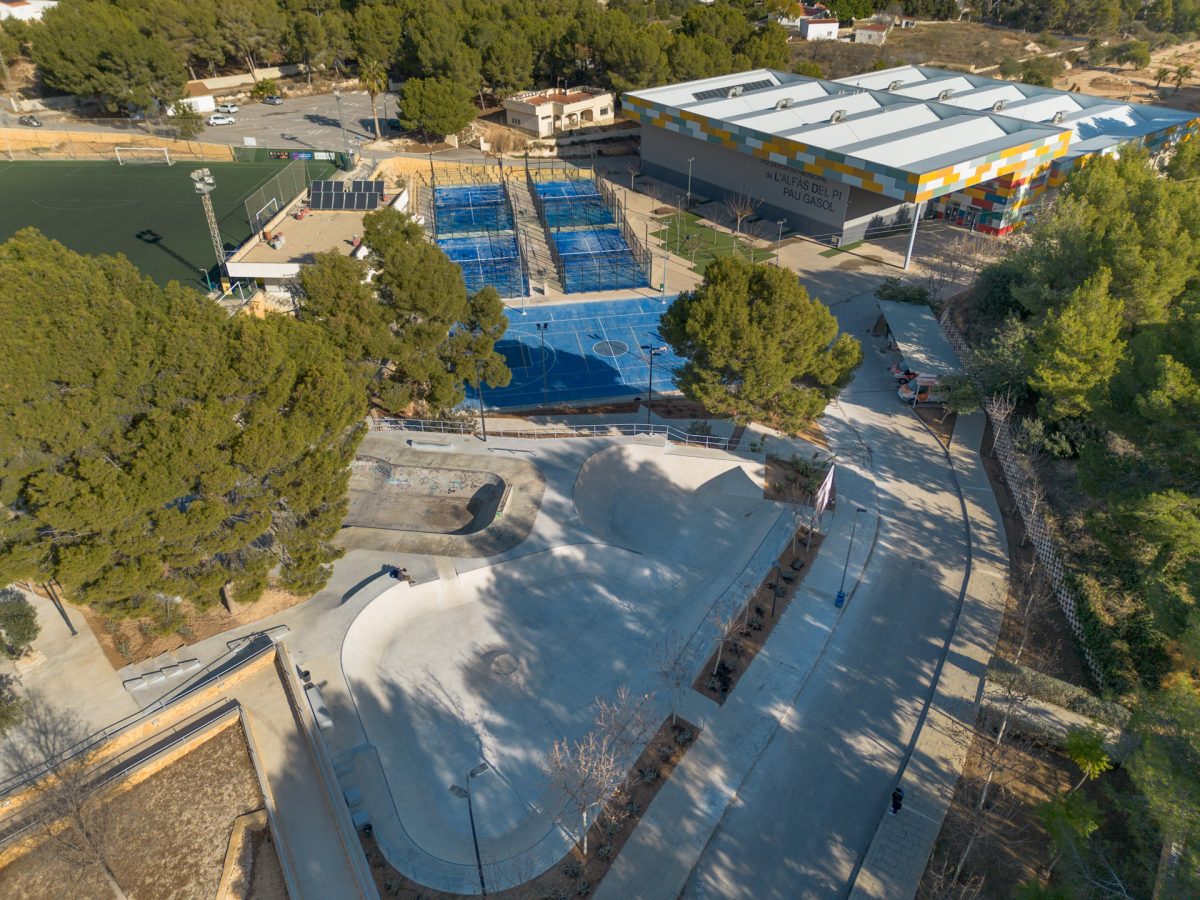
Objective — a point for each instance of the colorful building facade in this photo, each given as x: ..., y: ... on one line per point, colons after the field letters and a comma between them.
x: 842, y: 160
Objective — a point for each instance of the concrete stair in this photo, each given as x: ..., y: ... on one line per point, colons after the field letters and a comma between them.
x: 532, y: 236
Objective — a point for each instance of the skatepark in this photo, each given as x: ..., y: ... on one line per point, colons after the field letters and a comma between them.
x: 497, y: 663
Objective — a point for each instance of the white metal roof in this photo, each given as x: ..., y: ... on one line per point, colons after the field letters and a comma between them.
x: 913, y: 119
x: 920, y: 339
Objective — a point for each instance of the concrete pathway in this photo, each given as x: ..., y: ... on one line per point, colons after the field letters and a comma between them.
x: 783, y: 792
x: 901, y: 845
x: 70, y: 672
x: 310, y: 841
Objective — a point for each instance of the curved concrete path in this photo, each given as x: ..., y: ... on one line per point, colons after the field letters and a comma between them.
x: 783, y: 792
x: 496, y: 663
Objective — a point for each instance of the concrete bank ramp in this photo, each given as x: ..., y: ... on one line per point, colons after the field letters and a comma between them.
x: 674, y: 504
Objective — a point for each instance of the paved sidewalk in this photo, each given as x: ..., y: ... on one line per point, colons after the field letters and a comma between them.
x: 902, y: 843
x: 660, y: 855
x: 72, y: 672
x: 311, y: 842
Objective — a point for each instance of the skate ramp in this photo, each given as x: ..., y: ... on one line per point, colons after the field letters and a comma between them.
x: 676, y: 506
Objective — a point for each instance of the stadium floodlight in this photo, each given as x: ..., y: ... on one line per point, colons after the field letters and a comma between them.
x: 205, y: 184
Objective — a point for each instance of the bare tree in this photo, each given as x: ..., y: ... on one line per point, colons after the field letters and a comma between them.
x: 1000, y: 408
x: 724, y: 620
x: 672, y: 667
x: 586, y: 774
x: 71, y: 806
x: 634, y: 168
x: 628, y: 720
x: 740, y: 207
x: 961, y: 261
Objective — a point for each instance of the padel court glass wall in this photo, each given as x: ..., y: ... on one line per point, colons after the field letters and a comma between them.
x: 473, y: 224
x: 592, y: 246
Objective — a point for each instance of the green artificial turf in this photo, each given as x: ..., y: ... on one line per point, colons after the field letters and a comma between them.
x: 685, y: 237
x: 149, y: 213
x: 834, y: 251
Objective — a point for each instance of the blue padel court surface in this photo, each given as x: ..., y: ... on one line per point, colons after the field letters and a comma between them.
x: 488, y: 259
x: 597, y: 259
x: 567, y: 204
x: 482, y: 207
x: 593, y: 352
x: 557, y: 190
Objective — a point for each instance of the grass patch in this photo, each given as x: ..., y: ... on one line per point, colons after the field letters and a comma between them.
x: 845, y: 248
x: 684, y: 236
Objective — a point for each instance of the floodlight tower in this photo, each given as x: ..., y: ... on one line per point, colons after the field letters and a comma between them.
x: 205, y: 184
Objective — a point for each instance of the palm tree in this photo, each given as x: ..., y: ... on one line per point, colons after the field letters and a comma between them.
x: 374, y: 79
x: 1182, y: 74
x: 1161, y: 75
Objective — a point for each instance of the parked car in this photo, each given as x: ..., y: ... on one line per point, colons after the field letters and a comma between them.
x: 227, y: 108
x: 221, y: 119
x: 273, y: 100
x: 30, y: 121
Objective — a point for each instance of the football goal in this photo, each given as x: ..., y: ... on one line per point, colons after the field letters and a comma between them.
x: 128, y: 156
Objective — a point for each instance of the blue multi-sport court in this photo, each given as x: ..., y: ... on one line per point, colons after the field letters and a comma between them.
x: 592, y: 352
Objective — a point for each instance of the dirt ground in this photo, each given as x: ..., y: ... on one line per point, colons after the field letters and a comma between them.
x: 957, y: 44
x: 1051, y: 647
x: 266, y: 874
x: 164, y: 838
x: 757, y: 620
x: 1011, y: 844
x: 1122, y: 83
x: 573, y: 875
x: 131, y: 640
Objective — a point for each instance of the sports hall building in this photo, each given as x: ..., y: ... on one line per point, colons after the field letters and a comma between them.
x: 841, y: 160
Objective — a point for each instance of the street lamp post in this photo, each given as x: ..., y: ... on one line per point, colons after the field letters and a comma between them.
x: 479, y: 392
x: 465, y: 794
x: 542, y: 328
x: 840, y: 601
x: 337, y: 95
x: 691, y: 159
x: 651, y: 352
x: 778, y: 241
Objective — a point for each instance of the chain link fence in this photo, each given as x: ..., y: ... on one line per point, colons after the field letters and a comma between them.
x: 1029, y: 496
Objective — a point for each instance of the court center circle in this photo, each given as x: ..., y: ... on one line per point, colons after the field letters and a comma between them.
x: 610, y: 348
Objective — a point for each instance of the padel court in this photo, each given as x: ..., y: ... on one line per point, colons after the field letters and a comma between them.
x: 150, y: 213
x: 592, y: 351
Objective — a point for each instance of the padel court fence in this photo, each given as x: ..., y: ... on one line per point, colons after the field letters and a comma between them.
x: 590, y: 241
x: 474, y: 224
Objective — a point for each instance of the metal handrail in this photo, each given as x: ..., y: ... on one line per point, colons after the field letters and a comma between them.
x: 620, y: 429
x: 19, y: 779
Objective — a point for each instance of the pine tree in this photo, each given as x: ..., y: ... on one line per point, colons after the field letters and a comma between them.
x: 757, y: 347
x: 173, y: 451
x: 1078, y: 348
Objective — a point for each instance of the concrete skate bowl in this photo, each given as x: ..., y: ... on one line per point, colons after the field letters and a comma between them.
x: 680, y: 506
x: 422, y: 499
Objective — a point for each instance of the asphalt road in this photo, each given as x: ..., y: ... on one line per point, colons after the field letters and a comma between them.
x: 809, y: 807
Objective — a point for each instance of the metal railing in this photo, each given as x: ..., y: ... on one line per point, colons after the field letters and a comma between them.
x: 80, y: 749
x: 550, y: 432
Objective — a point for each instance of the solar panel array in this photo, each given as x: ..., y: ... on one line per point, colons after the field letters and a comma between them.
x: 364, y: 195
x: 714, y: 93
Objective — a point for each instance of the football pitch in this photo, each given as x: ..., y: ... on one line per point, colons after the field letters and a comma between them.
x: 149, y: 213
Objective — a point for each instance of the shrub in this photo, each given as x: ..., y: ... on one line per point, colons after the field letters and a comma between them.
x: 572, y: 869
x: 18, y: 623
x: 902, y: 292
x: 265, y: 88
x: 1053, y: 690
